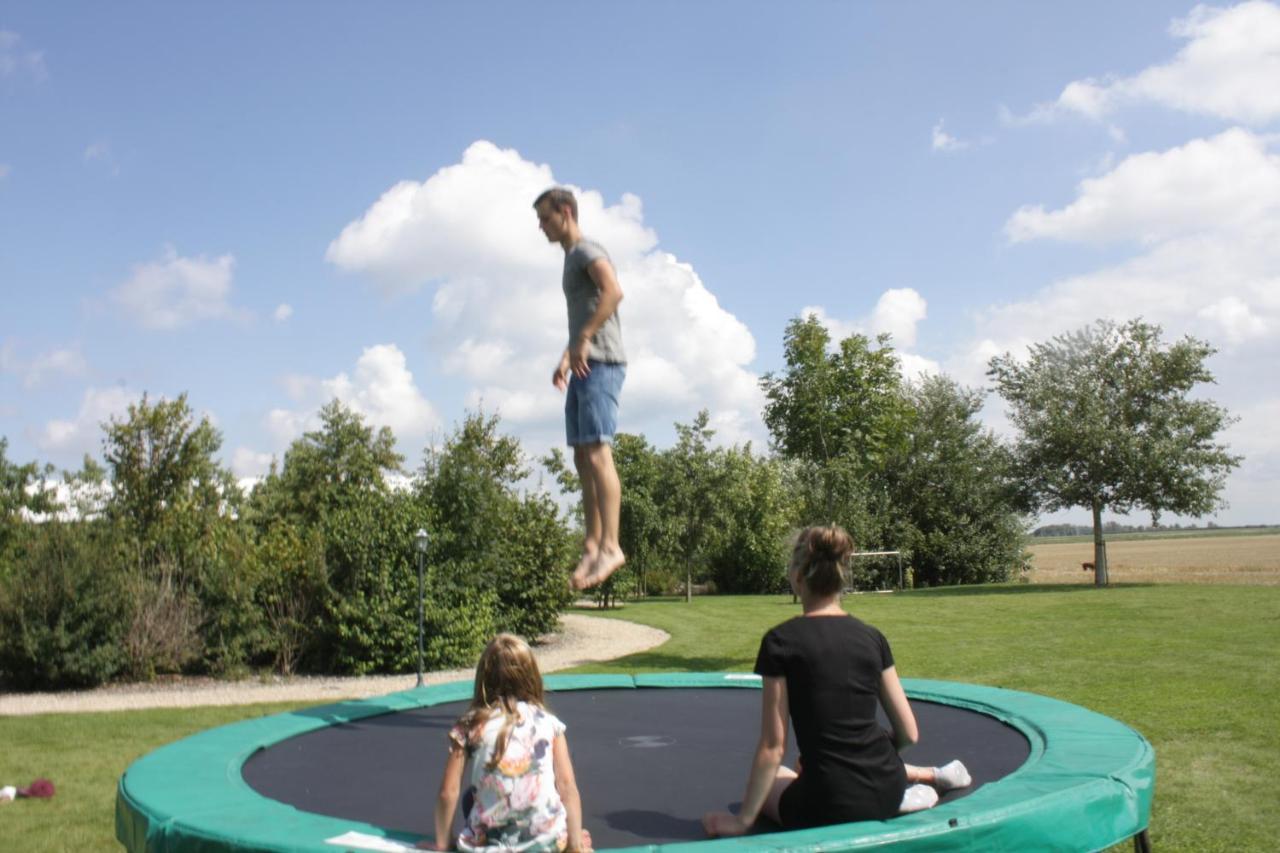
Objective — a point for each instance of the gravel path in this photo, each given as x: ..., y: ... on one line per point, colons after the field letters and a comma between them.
x: 582, y: 639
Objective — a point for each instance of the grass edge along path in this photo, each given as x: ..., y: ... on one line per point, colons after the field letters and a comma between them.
x: 1191, y: 667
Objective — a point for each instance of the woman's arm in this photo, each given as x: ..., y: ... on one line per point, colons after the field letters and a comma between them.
x: 567, y: 788
x: 764, y: 767
x: 447, y: 799
x: 898, y: 709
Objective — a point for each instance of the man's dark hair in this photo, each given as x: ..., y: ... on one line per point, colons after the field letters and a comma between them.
x: 560, y: 198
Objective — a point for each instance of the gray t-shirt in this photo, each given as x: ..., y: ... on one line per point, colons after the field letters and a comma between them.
x: 582, y: 297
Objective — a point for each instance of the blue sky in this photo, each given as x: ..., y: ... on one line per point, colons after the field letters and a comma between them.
x: 268, y: 205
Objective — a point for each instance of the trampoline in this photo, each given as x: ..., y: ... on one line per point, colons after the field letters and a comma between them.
x: 652, y: 754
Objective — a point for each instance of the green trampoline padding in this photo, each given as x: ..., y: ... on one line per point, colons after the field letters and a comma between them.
x: 1087, y: 783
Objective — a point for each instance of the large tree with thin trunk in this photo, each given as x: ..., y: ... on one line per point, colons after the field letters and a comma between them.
x: 840, y: 412
x: 1106, y: 420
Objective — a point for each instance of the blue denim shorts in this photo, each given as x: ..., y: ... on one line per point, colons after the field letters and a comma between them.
x: 591, y: 405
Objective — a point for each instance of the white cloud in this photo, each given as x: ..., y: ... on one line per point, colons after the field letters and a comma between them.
x: 1229, y: 69
x: 1221, y: 184
x: 176, y: 291
x: 1207, y: 216
x: 249, y: 465
x: 897, y: 312
x: 16, y: 60
x: 1254, y: 434
x: 1235, y: 318
x: 1223, y: 287
x: 282, y: 313
x: 1252, y: 489
x: 913, y: 367
x: 499, y: 322
x: 1205, y: 220
x: 943, y: 141
x: 100, y: 153
x: 381, y: 389
x: 37, y: 371
x: 838, y: 329
x: 82, y: 433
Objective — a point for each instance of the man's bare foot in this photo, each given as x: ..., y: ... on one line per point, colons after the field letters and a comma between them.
x: 606, y: 563
x: 582, y: 572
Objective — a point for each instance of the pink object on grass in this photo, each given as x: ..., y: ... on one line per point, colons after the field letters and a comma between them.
x: 41, y: 788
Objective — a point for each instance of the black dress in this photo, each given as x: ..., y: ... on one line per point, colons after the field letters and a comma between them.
x: 850, y: 769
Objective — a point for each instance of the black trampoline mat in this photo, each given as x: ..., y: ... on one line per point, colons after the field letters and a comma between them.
x: 649, y: 762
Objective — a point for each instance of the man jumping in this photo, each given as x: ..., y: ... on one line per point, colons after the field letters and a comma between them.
x: 591, y: 370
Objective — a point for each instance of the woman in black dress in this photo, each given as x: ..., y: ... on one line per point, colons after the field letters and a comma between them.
x: 826, y: 671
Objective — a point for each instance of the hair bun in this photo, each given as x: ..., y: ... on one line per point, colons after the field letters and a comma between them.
x: 830, y: 543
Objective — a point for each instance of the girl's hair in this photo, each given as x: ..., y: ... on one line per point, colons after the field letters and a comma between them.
x: 506, y: 674
x: 820, y: 558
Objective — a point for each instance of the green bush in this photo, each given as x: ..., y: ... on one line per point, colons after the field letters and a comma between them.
x: 290, y: 586
x: 457, y: 628
x: 530, y: 579
x: 368, y: 616
x: 233, y: 628
x: 63, y: 609
x: 164, y: 620
x: 490, y: 537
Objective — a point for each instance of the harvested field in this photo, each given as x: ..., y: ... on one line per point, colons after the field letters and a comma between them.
x: 1200, y: 559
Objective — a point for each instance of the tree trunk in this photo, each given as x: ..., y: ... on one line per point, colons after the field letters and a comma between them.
x: 1100, y: 577
x: 688, y: 583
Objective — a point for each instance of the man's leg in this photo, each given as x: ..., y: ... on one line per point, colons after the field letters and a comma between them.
x: 608, y: 497
x: 590, y: 517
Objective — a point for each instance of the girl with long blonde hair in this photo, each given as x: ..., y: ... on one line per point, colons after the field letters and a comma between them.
x: 522, y: 796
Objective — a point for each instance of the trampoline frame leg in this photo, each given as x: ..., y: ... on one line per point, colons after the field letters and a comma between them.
x: 1142, y: 842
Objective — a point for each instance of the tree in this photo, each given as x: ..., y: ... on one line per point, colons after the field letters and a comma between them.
x: 838, y: 416
x: 1105, y: 420
x: 847, y: 403
x: 163, y: 468
x: 951, y: 488
x: 329, y: 469
x: 693, y: 485
x: 643, y: 526
x: 489, y: 535
x: 175, y: 505
x: 21, y: 491
x: 758, y: 512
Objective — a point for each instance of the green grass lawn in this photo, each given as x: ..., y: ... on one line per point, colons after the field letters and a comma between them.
x: 1194, y: 668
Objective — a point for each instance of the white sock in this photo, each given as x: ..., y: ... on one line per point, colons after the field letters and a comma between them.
x: 918, y: 798
x: 950, y: 776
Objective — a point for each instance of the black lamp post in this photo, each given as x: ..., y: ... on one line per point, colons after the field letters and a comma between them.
x: 420, y: 544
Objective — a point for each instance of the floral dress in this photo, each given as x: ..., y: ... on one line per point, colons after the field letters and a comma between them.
x: 516, y: 806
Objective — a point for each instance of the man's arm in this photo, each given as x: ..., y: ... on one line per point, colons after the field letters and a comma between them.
x: 601, y: 272
x: 560, y: 376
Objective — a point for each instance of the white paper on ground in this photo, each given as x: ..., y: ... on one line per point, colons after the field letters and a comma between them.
x: 363, y: 841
